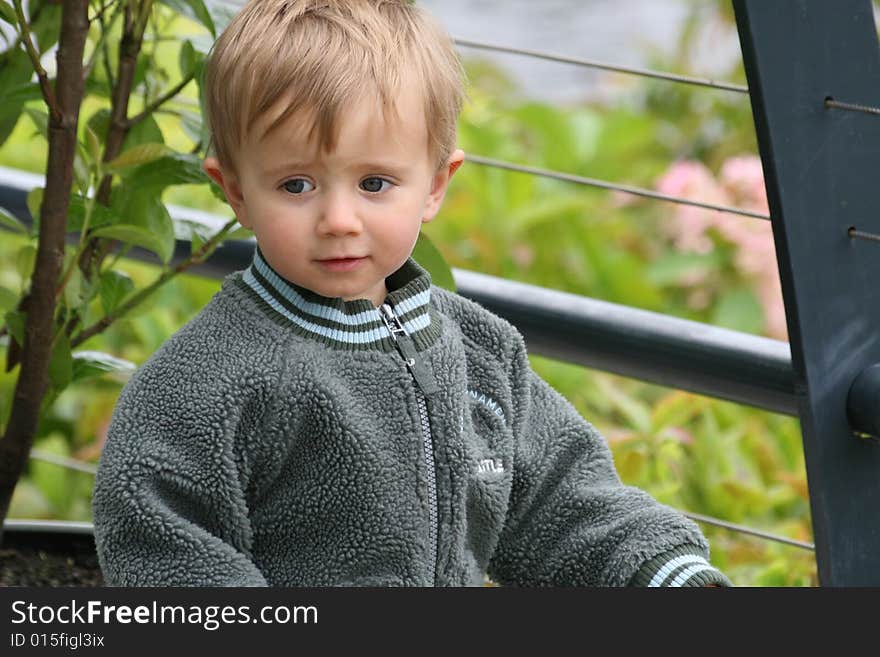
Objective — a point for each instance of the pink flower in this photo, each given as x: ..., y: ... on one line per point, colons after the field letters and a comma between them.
x: 691, y: 180
x: 740, y: 183
x: 743, y: 178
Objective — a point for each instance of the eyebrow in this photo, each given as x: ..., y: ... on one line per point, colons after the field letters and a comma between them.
x: 286, y: 166
x: 370, y: 165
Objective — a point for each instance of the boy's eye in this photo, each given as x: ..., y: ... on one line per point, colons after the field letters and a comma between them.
x: 298, y: 186
x: 374, y: 184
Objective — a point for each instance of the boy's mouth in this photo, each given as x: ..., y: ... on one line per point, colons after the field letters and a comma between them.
x: 341, y: 264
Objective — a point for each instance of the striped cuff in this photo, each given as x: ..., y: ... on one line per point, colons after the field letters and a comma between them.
x: 683, y: 566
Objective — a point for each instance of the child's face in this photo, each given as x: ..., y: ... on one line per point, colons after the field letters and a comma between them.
x: 365, y: 199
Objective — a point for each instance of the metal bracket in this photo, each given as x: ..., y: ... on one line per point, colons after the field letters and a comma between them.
x: 820, y: 165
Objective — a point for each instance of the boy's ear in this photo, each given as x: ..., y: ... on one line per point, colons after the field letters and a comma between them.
x: 229, y: 184
x: 441, y: 183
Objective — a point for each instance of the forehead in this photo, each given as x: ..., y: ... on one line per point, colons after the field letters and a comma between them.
x: 359, y: 126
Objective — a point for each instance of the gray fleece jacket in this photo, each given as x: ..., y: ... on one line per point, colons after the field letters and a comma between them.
x: 284, y: 438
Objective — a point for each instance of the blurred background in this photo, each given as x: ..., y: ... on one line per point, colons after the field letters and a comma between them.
x: 700, y: 455
x: 630, y: 33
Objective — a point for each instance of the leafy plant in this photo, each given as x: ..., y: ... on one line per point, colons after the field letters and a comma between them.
x: 90, y: 212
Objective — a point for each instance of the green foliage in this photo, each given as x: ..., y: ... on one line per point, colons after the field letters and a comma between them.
x: 427, y: 255
x: 108, y: 215
x: 129, y: 214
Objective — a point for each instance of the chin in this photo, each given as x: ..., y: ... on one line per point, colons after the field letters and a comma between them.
x: 346, y: 296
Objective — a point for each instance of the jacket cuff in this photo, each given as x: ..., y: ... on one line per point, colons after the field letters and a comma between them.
x: 683, y: 566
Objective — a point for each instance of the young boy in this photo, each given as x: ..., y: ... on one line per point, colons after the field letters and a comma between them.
x: 330, y: 417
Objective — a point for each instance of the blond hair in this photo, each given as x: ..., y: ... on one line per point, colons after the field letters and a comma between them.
x: 321, y: 57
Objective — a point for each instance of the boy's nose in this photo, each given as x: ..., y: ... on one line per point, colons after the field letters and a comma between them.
x: 338, y: 216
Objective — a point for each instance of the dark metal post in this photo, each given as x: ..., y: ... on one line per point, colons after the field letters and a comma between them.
x: 822, y: 171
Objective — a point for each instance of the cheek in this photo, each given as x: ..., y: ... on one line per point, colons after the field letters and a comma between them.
x: 280, y: 237
x: 279, y: 216
x: 396, y: 233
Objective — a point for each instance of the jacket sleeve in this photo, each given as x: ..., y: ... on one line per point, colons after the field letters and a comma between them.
x: 169, y: 502
x: 570, y: 520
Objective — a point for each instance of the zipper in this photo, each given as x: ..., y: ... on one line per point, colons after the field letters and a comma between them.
x: 425, y: 385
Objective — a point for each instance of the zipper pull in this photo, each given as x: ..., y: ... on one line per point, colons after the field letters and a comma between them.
x: 419, y: 368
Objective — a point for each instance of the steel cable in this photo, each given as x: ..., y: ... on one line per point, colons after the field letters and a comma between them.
x: 592, y: 182
x: 852, y: 107
x: 592, y: 63
x: 70, y: 464
x: 747, y: 530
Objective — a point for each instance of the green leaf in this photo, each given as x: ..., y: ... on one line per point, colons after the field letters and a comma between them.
x: 205, y: 134
x: 76, y: 214
x: 187, y: 58
x: 427, y: 255
x: 25, y: 260
x: 146, y: 223
x: 8, y: 300
x: 74, y: 290
x: 81, y: 174
x: 89, y: 364
x: 40, y: 119
x: 191, y: 123
x: 99, y: 122
x: 61, y: 363
x: 53, y: 480
x: 45, y: 23
x: 8, y: 220
x: 194, y: 232
x: 15, y: 68
x: 8, y: 381
x: 217, y: 192
x: 146, y: 131
x: 136, y: 235
x: 240, y: 234
x: 34, y: 201
x: 196, y: 242
x: 114, y: 287
x: 143, y: 68
x: 15, y: 322
x: 136, y: 156
x: 176, y: 169
x: 15, y: 75
x: 19, y: 94
x: 94, y: 144
x: 194, y: 9
x: 7, y: 13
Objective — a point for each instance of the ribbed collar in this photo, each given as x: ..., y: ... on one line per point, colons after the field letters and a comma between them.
x: 350, y: 325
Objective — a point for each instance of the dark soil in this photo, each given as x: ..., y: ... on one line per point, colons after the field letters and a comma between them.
x: 36, y: 559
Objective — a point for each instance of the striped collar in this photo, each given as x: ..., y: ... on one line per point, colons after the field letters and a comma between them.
x: 349, y: 325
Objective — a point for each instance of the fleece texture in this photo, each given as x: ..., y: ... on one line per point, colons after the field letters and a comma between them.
x: 284, y: 438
